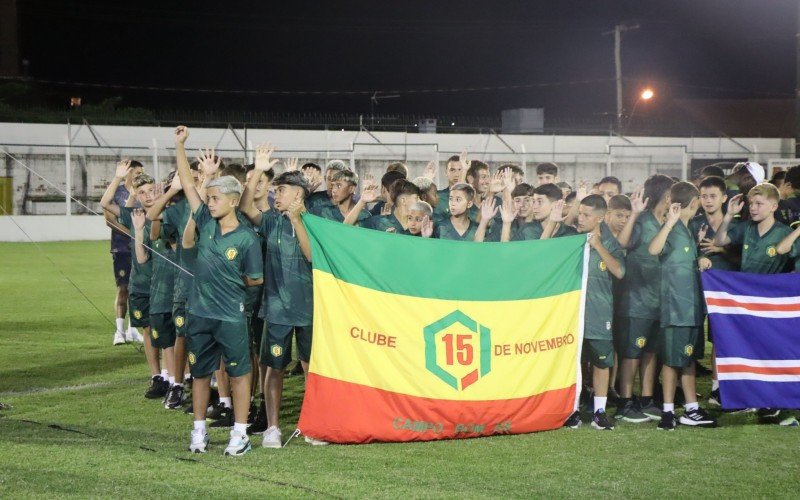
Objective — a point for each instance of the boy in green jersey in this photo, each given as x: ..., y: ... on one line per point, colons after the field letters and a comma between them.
x: 680, y: 341
x: 228, y: 261
x: 606, y: 260
x: 343, y: 187
x: 459, y: 226
x: 456, y: 173
x: 402, y: 194
x: 639, y: 301
x: 139, y: 284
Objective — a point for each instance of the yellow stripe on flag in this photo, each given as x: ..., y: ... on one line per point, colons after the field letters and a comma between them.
x: 444, y: 349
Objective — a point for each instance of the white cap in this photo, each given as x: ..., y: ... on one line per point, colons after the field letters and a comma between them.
x: 757, y: 171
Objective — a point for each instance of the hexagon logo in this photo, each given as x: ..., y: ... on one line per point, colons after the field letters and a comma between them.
x: 458, y: 350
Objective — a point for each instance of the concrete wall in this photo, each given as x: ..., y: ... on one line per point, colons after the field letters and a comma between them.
x: 53, y: 228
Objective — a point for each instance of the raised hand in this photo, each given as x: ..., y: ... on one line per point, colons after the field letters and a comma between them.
x: 139, y: 219
x: 736, y: 204
x: 488, y: 209
x: 158, y: 189
x: 638, y: 202
x: 386, y: 209
x: 122, y: 169
x: 175, y: 185
x: 430, y: 170
x: 181, y: 134
x: 556, y: 212
x: 369, y: 193
x: 707, y: 247
x: 313, y: 177
x: 701, y: 234
x: 674, y: 214
x: 462, y: 158
x: 498, y: 182
x: 508, y: 212
x: 583, y: 191
x: 291, y: 164
x: 209, y: 162
x: 427, y: 227
x: 295, y: 209
x: 264, y: 159
x: 508, y: 177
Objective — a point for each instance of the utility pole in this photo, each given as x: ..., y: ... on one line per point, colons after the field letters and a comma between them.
x: 617, y: 32
x: 9, y: 47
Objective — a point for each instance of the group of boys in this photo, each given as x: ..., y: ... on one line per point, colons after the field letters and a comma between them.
x: 221, y: 274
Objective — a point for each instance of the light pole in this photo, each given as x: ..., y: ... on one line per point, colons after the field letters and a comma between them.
x: 645, y: 95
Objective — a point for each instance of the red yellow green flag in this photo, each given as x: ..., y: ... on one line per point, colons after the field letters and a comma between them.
x: 418, y: 339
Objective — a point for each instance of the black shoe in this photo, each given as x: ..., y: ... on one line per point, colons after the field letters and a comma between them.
x: 215, y: 411
x: 225, y: 421
x: 158, y: 388
x: 667, y: 422
x: 298, y: 369
x: 251, y: 414
x: 174, y: 399
x: 260, y: 423
x: 701, y: 371
x: 768, y: 413
x: 600, y: 421
x: 697, y: 418
x: 574, y: 421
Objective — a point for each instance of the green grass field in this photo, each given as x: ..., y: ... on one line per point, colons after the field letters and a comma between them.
x: 79, y: 425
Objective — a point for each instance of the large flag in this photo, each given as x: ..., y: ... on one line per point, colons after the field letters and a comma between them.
x: 418, y: 339
x: 755, y: 320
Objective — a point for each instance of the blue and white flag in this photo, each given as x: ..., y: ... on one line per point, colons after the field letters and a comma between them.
x: 755, y: 320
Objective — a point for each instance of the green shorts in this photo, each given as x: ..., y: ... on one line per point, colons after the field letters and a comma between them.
x: 162, y: 330
x: 635, y: 335
x: 599, y: 353
x: 255, y: 328
x: 210, y: 340
x: 679, y: 346
x: 179, y: 318
x: 276, y: 345
x: 139, y: 309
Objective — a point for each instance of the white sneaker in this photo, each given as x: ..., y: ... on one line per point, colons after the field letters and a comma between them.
x: 316, y: 442
x: 238, y: 445
x: 119, y: 338
x: 272, y: 438
x: 199, y: 441
x: 135, y: 336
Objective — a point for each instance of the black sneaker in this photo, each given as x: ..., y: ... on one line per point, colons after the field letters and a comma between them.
x: 768, y: 413
x: 158, y: 388
x: 667, y: 422
x: 714, y: 399
x: 630, y: 412
x: 260, y: 423
x: 648, y: 407
x: 174, y: 398
x: 600, y: 421
x: 225, y: 420
x: 701, y: 371
x: 574, y: 421
x: 697, y: 418
x: 215, y: 411
x: 251, y: 414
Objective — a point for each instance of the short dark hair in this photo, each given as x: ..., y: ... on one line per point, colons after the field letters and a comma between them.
x: 135, y: 164
x: 398, y: 166
x: 552, y: 192
x: 402, y: 187
x: 516, y: 169
x: 683, y: 192
x: 311, y: 165
x: 712, y: 170
x: 547, y: 168
x: 465, y: 188
x: 714, y: 181
x: 474, y: 167
x: 596, y: 202
x: 778, y: 176
x: 619, y: 202
x: 655, y: 188
x: 453, y: 158
x: 195, y: 165
x: 293, y: 178
x: 236, y: 171
x: 793, y: 177
x: 611, y: 180
x: 389, y: 178
x: 522, y: 189
x: 269, y: 173
x: 571, y: 197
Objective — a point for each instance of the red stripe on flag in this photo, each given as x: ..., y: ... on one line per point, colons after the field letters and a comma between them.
x: 764, y: 370
x: 752, y: 306
x: 343, y: 412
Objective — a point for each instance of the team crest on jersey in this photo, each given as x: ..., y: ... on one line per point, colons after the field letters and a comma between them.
x: 179, y: 321
x: 746, y: 247
x: 137, y: 314
x: 686, y: 249
x: 602, y: 266
x: 231, y: 253
x: 276, y: 350
x: 689, y: 350
x: 641, y: 342
x: 192, y: 358
x: 154, y: 333
x: 772, y: 252
x: 121, y: 273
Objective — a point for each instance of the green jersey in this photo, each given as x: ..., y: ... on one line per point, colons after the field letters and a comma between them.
x: 759, y: 253
x: 527, y: 231
x: 288, y: 294
x: 446, y: 231
x: 599, y: 293
x: 723, y: 261
x: 332, y: 212
x: 222, y: 262
x: 383, y: 223
x: 318, y: 200
x: 164, y: 272
x: 640, y: 295
x: 442, y: 210
x: 176, y: 216
x: 681, y: 294
x: 139, y: 282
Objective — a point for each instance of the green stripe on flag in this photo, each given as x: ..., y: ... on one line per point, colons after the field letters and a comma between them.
x: 444, y: 269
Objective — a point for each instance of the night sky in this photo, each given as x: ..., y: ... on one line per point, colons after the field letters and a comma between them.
x: 708, y: 48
